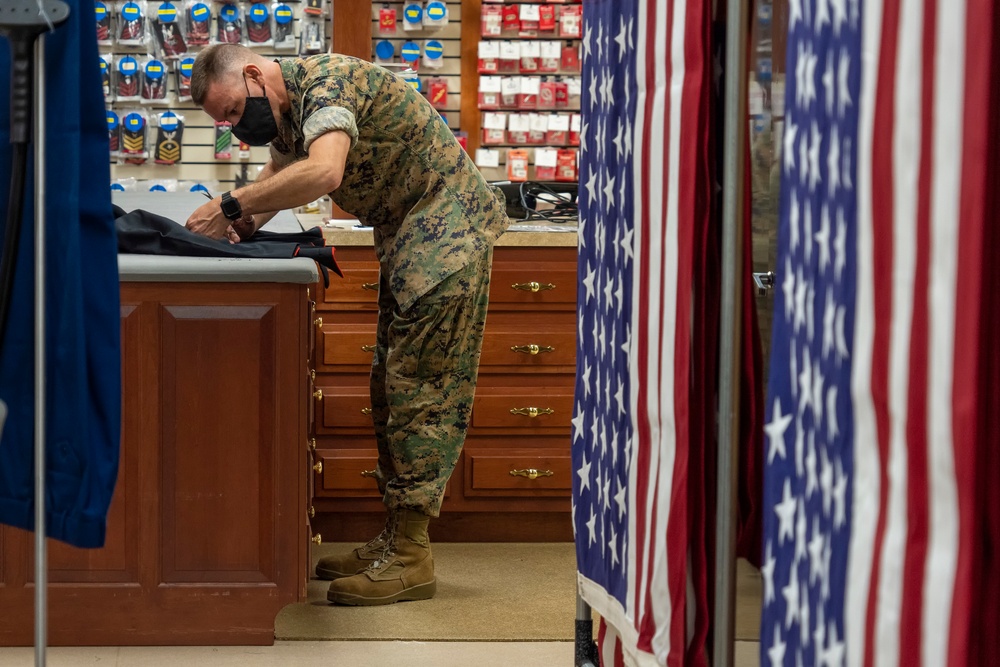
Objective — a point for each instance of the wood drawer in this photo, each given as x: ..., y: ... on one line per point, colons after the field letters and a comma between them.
x: 539, y: 285
x: 554, y: 348
x: 358, y: 286
x: 492, y: 407
x: 489, y: 474
x: 343, y: 407
x: 346, y: 345
x: 342, y: 473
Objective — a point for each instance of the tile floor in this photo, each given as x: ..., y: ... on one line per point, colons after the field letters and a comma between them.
x: 308, y: 654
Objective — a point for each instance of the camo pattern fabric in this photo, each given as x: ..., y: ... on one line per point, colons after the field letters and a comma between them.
x: 406, y: 175
x: 422, y: 384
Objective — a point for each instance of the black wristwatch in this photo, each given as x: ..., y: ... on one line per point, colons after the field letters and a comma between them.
x: 231, y: 207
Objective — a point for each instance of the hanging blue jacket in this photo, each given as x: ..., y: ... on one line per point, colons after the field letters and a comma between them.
x: 83, y: 379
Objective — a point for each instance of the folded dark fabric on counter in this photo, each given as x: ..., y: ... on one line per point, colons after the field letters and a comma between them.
x: 143, y: 233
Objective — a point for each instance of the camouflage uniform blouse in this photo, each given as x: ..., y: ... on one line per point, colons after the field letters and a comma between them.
x: 406, y: 176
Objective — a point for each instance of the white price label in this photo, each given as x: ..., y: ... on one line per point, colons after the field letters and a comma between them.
x: 520, y: 122
x: 531, y: 49
x: 489, y: 84
x: 510, y: 50
x: 559, y: 122
x: 575, y: 85
x: 495, y: 121
x: 574, y: 123
x: 551, y: 50
x: 531, y: 85
x: 530, y: 13
x: 539, y: 122
x: 545, y: 157
x: 510, y: 85
x: 489, y: 49
x: 486, y: 157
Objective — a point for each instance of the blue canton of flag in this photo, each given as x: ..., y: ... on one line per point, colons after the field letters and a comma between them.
x: 809, y: 429
x: 602, y: 426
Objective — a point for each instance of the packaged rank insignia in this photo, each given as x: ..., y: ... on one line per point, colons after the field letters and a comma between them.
x: 105, y: 64
x: 103, y: 14
x: 167, y: 30
x: 259, y: 30
x: 311, y: 37
x: 437, y: 93
x: 387, y: 21
x: 131, y: 24
x: 223, y: 140
x: 229, y: 25
x: 114, y: 132
x: 517, y: 165
x: 127, y: 79
x: 410, y: 53
x: 154, y: 82
x: 413, y: 16
x: 169, y: 131
x: 284, y: 33
x: 199, y: 20
x: 124, y: 185
x: 435, y: 15
x: 313, y: 8
x: 161, y: 185
x: 133, y: 144
x: 433, y: 54
x: 184, y: 68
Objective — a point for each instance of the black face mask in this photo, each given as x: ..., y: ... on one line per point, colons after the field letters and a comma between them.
x: 257, y: 126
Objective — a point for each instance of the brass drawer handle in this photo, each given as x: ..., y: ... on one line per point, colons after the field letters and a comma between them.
x: 318, y: 394
x: 317, y: 539
x: 367, y: 348
x: 372, y: 287
x: 312, y: 511
x: 318, y: 467
x: 531, y: 412
x: 368, y: 473
x: 366, y: 411
x: 532, y: 349
x: 531, y: 473
x: 532, y: 287
x: 318, y: 322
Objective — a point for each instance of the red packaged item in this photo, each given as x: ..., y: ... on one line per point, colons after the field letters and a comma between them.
x: 545, y: 164
x: 566, y: 165
x: 529, y: 65
x: 517, y: 137
x: 527, y: 99
x: 517, y: 165
x: 536, y: 138
x: 437, y: 94
x: 574, y: 130
x: 511, y: 18
x: 488, y: 65
x: 546, y: 95
x: 491, y: 21
x: 562, y: 95
x: 493, y: 137
x: 557, y: 138
x: 547, y: 18
x: 463, y: 140
x: 509, y: 66
x: 571, y: 58
x: 571, y: 22
x: 489, y: 100
x: 387, y: 21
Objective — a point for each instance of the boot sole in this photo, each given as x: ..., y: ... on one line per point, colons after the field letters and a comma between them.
x: 419, y: 592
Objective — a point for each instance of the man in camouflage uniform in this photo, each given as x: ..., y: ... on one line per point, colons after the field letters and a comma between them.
x: 343, y: 126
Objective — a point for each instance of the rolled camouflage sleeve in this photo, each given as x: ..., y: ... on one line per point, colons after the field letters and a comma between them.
x: 329, y: 119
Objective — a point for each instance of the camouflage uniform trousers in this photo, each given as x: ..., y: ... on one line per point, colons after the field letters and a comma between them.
x: 423, y: 381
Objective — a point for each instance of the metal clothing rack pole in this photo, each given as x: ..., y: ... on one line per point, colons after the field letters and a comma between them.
x: 585, y: 653
x: 733, y: 162
x: 41, y: 558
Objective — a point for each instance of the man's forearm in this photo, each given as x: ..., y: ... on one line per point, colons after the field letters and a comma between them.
x: 295, y: 185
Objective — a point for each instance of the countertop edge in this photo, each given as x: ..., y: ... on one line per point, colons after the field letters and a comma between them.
x: 164, y: 269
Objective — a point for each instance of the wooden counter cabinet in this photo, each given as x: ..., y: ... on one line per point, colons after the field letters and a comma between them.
x: 516, y: 463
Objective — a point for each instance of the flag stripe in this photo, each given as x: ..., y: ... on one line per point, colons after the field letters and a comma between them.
x: 978, y: 26
x: 918, y: 419
x: 883, y: 176
x: 867, y: 494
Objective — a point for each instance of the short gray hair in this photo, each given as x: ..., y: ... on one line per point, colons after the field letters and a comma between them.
x: 215, y: 63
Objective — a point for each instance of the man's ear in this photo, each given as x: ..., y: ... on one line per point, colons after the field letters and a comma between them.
x: 253, y: 73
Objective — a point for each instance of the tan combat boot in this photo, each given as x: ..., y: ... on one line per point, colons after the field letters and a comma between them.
x: 354, y: 561
x: 404, y: 569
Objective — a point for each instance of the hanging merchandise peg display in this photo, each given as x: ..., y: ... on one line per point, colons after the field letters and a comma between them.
x: 131, y: 24
x: 387, y: 21
x: 169, y: 131
x: 103, y: 14
x: 223, y: 140
x: 133, y: 145
x: 154, y: 82
x: 105, y: 64
x: 435, y: 15
x: 198, y: 24
x: 311, y: 37
x: 127, y: 79
x: 229, y: 25
x: 433, y: 52
x: 259, y: 32
x: 168, y: 31
x: 284, y: 32
x: 314, y: 8
x: 114, y: 132
x: 385, y: 52
x: 413, y: 15
x: 184, y: 68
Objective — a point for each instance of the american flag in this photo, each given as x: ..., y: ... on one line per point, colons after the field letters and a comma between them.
x: 871, y: 516
x: 644, y: 201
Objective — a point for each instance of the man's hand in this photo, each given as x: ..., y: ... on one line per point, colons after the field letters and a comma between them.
x: 209, y: 221
x: 243, y: 229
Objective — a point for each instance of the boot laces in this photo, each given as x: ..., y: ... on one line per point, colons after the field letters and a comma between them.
x: 388, y: 549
